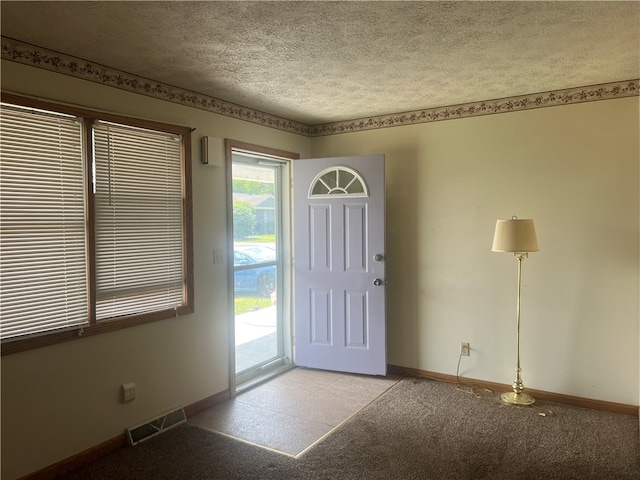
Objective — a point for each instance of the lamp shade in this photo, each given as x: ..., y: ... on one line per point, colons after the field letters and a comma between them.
x: 515, y: 235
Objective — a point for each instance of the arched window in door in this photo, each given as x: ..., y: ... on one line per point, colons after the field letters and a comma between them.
x: 338, y: 182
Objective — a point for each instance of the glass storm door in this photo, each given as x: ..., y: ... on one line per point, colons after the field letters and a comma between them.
x: 257, y: 263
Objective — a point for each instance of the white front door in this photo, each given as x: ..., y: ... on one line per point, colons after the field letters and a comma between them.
x: 340, y: 318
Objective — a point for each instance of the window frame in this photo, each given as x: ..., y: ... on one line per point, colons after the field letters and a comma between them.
x: 108, y: 325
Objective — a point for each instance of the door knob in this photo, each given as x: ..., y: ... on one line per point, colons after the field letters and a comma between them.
x: 378, y: 257
x: 377, y: 282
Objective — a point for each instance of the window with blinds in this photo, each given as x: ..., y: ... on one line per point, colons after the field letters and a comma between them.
x: 95, y: 223
x: 138, y: 220
x: 43, y: 248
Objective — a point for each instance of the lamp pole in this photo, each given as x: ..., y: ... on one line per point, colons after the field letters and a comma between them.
x: 517, y: 397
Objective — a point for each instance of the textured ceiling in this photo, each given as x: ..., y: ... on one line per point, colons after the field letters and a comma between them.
x: 318, y: 62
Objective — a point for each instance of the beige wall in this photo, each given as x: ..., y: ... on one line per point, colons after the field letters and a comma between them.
x: 574, y: 169
x: 60, y: 400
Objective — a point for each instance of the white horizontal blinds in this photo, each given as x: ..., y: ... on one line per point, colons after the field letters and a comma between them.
x: 138, y: 221
x: 42, y: 223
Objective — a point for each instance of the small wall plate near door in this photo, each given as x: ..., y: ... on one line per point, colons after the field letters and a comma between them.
x: 128, y: 391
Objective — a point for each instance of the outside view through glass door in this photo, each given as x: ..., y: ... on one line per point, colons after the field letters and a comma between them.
x: 257, y: 232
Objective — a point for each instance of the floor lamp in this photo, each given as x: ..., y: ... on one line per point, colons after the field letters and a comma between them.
x: 518, y: 237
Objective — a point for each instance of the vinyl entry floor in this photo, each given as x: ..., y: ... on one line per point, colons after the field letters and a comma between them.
x: 295, y: 410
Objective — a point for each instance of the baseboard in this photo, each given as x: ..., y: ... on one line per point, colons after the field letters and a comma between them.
x: 541, y: 394
x: 211, y: 401
x: 75, y: 461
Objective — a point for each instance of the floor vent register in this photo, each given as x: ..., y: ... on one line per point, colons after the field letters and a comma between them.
x: 151, y: 428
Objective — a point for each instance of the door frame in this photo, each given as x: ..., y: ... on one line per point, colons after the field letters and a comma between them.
x: 286, y: 284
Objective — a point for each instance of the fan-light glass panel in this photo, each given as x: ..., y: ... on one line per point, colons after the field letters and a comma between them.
x: 338, y: 182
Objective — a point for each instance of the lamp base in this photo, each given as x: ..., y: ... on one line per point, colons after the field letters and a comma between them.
x: 514, y: 398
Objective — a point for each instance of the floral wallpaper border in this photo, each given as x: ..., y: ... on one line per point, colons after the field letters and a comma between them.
x: 27, y: 54
x: 628, y: 88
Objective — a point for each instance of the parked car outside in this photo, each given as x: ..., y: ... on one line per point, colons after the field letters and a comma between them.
x: 260, y: 279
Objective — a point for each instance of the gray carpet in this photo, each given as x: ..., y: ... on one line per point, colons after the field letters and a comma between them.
x: 419, y: 429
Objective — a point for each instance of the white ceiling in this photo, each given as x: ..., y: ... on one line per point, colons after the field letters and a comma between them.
x: 317, y: 62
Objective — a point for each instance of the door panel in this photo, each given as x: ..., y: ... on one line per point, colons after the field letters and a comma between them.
x: 320, y: 232
x: 340, y: 320
x: 355, y: 238
x: 356, y: 319
x: 320, y: 317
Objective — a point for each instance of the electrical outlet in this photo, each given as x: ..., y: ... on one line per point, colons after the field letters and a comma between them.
x: 464, y: 349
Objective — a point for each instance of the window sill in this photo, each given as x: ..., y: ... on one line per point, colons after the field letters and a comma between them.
x: 105, y: 326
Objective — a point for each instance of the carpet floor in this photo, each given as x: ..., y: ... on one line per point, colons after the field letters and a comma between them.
x: 419, y: 429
